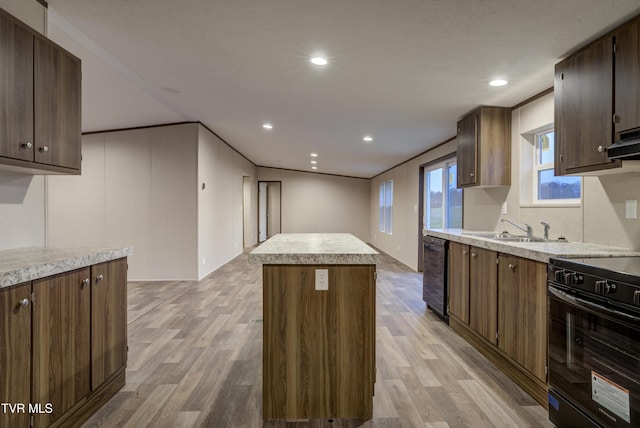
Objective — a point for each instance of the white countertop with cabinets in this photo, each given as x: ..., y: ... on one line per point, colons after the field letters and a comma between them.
x: 539, y: 251
x: 26, y: 264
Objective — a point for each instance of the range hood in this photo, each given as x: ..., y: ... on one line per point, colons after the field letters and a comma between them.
x: 627, y: 147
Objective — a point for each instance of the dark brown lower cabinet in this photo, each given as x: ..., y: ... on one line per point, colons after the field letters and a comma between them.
x: 15, y: 344
x: 507, y: 306
x: 522, y: 312
x: 483, y: 291
x: 63, y: 345
x: 108, y: 320
x: 459, y: 281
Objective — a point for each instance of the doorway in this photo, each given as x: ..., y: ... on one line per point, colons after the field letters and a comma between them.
x: 247, y: 232
x: 269, y: 209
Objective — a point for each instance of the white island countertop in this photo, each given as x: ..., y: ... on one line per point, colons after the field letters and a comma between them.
x: 314, y: 249
x: 27, y: 264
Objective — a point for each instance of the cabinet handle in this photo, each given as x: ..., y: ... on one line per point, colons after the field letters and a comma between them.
x: 26, y: 146
x: 84, y: 282
x: 44, y: 149
x: 512, y: 267
x: 601, y: 149
x: 24, y: 303
x: 474, y: 255
x: 464, y: 252
x: 471, y: 174
x: 99, y: 278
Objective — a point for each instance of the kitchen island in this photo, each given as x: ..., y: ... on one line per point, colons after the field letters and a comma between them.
x: 319, y: 326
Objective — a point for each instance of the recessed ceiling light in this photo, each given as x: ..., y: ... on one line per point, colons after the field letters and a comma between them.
x: 314, y: 167
x: 367, y: 138
x: 267, y: 126
x: 498, y: 82
x: 318, y: 60
x: 314, y: 162
x: 314, y: 155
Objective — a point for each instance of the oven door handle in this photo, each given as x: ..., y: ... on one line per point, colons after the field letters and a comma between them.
x: 594, y: 307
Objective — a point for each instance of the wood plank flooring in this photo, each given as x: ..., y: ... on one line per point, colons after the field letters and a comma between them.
x: 195, y: 360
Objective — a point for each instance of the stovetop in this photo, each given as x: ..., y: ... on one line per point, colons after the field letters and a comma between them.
x: 615, y: 278
x: 625, y: 269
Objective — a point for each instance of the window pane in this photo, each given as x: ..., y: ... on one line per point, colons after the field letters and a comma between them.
x: 433, y: 193
x: 552, y: 187
x: 454, y: 198
x: 389, y: 207
x: 545, y: 147
x: 381, y: 202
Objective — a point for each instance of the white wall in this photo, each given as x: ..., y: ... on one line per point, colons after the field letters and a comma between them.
x: 22, y: 197
x: 30, y: 12
x: 138, y: 188
x: 319, y: 203
x: 220, y: 204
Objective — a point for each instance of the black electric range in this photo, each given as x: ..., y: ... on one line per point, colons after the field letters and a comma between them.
x: 594, y: 342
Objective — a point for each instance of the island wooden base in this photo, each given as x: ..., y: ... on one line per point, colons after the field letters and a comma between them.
x: 319, y: 346
x: 525, y: 380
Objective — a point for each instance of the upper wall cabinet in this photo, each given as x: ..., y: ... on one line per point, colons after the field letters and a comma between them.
x: 40, y: 102
x: 596, y: 98
x: 627, y: 79
x: 484, y: 148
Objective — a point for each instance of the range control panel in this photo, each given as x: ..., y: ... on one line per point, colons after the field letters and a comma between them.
x: 589, y: 284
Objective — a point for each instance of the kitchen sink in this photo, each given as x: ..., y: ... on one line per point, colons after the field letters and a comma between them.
x: 512, y: 238
x: 508, y: 237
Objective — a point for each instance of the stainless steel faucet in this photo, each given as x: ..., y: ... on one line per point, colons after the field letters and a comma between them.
x: 546, y: 230
x: 528, y: 230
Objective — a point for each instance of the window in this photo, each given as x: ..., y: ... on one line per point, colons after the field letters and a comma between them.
x: 442, y: 198
x: 386, y: 206
x: 547, y: 188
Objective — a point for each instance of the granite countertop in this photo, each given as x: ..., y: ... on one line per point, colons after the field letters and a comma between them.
x: 26, y: 264
x: 539, y: 251
x: 314, y: 248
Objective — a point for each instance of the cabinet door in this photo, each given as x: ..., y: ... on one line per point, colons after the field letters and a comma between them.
x: 108, y: 320
x: 467, y: 147
x: 459, y: 281
x: 61, y: 337
x: 583, y: 108
x: 15, y: 347
x: 16, y: 91
x: 522, y: 312
x: 627, y: 77
x: 57, y: 92
x: 483, y: 293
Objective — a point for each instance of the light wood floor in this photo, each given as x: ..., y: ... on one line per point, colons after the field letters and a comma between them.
x: 195, y: 355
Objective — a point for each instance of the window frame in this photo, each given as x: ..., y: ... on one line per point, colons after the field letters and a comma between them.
x: 444, y: 165
x: 538, y: 167
x: 385, y: 204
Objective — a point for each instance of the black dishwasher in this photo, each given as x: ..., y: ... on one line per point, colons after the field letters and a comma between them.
x: 434, y: 279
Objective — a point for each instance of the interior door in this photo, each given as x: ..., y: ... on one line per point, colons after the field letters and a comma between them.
x: 269, y: 209
x: 273, y: 209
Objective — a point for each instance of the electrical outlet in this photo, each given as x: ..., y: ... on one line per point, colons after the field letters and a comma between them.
x: 203, y: 261
x: 631, y: 209
x: 322, y: 279
x: 504, y: 208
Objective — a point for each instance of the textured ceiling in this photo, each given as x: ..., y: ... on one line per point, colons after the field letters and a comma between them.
x: 401, y: 71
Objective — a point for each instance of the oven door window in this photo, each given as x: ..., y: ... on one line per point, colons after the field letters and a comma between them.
x: 594, y: 361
